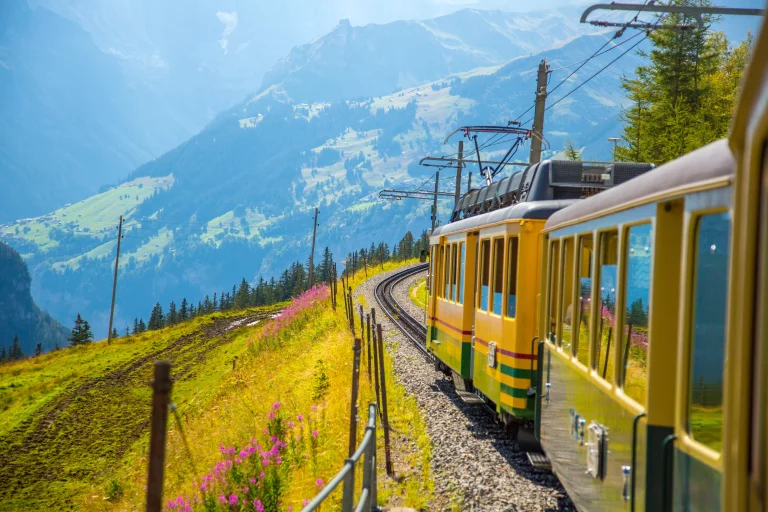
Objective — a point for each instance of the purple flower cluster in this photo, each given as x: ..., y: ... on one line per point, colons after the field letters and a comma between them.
x: 254, y: 477
x: 276, y: 327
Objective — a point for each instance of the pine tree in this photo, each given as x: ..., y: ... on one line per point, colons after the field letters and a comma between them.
x: 173, y: 317
x: 127, y: 331
x: 215, y: 305
x: 77, y: 336
x: 571, y: 153
x: 156, y: 318
x: 16, y: 352
x: 183, y: 310
x: 115, y: 334
x: 684, y: 97
x: 242, y: 295
x: 56, y: 347
x: 38, y: 349
x: 142, y: 326
x: 135, y: 326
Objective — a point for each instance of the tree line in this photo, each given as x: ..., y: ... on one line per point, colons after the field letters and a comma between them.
x: 377, y: 254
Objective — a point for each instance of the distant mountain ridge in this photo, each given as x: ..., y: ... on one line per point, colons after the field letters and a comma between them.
x: 375, y: 60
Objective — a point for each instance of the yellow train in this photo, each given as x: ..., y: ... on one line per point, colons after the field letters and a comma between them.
x: 629, y: 328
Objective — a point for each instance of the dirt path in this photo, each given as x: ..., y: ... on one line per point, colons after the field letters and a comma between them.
x: 77, y: 438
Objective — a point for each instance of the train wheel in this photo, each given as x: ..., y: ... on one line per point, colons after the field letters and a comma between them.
x: 511, y: 425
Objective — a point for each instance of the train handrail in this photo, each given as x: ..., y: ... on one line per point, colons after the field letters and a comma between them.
x: 368, y: 495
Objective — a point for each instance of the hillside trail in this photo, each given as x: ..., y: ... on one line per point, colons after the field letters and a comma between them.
x: 76, y: 439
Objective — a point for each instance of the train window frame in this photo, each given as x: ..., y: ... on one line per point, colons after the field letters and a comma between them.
x: 621, y: 301
x: 703, y: 450
x: 430, y: 284
x: 496, y: 265
x: 454, y: 272
x: 576, y: 343
x: 462, y: 262
x: 595, y: 343
x: 447, y: 273
x: 480, y: 271
x: 560, y: 325
x: 510, y: 273
x: 439, y: 272
x: 553, y: 251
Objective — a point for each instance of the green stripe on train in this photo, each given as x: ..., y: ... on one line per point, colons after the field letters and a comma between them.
x: 517, y: 373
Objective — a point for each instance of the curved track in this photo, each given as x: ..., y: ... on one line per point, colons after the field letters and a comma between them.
x: 413, y: 329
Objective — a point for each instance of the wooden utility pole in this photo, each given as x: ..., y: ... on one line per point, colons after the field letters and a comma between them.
x: 114, y: 283
x: 312, y: 253
x: 434, y: 201
x: 538, y: 118
x: 458, y: 173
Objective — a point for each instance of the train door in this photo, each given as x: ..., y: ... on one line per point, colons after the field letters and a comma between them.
x: 701, y: 375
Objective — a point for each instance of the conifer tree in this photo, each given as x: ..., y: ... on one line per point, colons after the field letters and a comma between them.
x: 683, y: 98
x: 183, y: 310
x: 570, y: 152
x: 215, y: 305
x: 78, y: 334
x: 115, y: 334
x: 156, y: 318
x: 3, y: 355
x: 142, y: 326
x: 38, y: 349
x: 87, y: 334
x: 172, y: 317
x: 127, y: 331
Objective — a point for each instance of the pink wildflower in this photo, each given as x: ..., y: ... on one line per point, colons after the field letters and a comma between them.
x: 258, y: 506
x: 315, y: 433
x: 271, y: 415
x: 300, y: 417
x: 276, y: 405
x: 261, y: 475
x: 252, y: 480
x: 305, y: 502
x: 222, y: 499
x: 314, y: 408
x: 319, y: 482
x: 278, y: 460
x: 233, y: 499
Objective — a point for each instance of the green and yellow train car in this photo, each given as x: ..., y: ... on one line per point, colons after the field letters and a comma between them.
x: 626, y: 270
x: 484, y: 280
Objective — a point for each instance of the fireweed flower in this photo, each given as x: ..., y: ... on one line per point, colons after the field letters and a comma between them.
x: 300, y: 417
x: 315, y: 433
x: 319, y: 482
x: 258, y: 506
x: 233, y: 499
x: 304, y: 502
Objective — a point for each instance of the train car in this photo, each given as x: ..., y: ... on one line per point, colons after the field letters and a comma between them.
x: 652, y: 391
x: 485, y: 274
x: 626, y: 270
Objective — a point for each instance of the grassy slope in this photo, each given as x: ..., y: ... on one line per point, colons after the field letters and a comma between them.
x: 101, y: 401
x: 418, y: 292
x: 67, y: 417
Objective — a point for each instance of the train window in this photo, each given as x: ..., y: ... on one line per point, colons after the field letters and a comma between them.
x: 485, y: 273
x: 431, y: 284
x: 439, y: 272
x: 447, y: 274
x: 460, y: 274
x: 581, y: 337
x: 708, y: 314
x: 609, y: 259
x: 454, y: 272
x: 512, y: 278
x: 566, y: 306
x: 498, y: 275
x: 554, y: 274
x: 637, y: 288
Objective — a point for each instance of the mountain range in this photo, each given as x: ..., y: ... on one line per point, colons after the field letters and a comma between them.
x: 333, y: 122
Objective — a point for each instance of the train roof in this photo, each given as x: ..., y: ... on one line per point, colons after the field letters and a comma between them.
x: 712, y: 162
x: 526, y: 210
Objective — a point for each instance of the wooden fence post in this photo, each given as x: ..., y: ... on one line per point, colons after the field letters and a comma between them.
x: 355, y: 388
x: 160, y: 399
x: 385, y: 420
x: 368, y: 347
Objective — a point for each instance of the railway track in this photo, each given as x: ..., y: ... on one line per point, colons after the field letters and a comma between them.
x: 412, y: 328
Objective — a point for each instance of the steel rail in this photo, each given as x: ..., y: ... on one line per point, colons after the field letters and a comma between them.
x: 410, y: 327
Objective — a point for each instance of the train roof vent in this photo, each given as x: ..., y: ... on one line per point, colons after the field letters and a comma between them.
x: 593, y: 175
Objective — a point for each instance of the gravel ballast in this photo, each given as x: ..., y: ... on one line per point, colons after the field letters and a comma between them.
x: 475, y: 465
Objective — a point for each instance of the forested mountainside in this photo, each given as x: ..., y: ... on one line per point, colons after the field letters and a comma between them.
x: 19, y: 315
